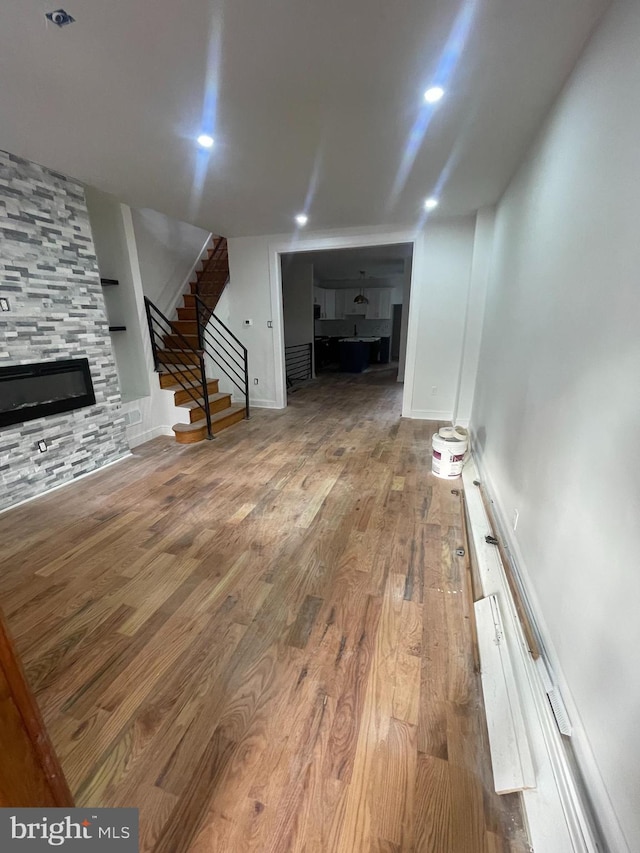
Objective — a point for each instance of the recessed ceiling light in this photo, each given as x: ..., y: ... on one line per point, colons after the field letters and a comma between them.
x: 433, y: 95
x: 431, y: 204
x: 205, y: 141
x: 302, y: 219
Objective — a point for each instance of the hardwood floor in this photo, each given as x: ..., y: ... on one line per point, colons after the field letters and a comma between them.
x: 263, y: 641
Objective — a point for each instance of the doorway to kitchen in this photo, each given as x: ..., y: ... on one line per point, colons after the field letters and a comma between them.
x: 339, y: 307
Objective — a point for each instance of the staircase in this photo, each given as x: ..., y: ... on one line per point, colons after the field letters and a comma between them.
x: 184, y: 348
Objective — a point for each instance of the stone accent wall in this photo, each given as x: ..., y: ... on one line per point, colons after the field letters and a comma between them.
x: 49, y: 274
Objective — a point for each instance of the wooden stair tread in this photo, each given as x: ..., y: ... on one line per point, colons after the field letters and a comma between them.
x: 181, y: 349
x: 180, y: 359
x: 188, y: 383
x: 213, y: 398
x: 233, y: 409
x: 171, y: 368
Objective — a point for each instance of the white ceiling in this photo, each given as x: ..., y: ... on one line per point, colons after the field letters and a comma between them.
x: 313, y: 99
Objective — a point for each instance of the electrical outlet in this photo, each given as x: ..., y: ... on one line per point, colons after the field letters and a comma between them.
x: 434, y: 390
x: 4, y: 304
x: 247, y: 322
x: 269, y: 324
x: 516, y: 516
x: 255, y: 381
x: 42, y: 446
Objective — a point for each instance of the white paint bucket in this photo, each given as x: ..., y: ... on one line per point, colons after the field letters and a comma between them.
x: 449, y: 449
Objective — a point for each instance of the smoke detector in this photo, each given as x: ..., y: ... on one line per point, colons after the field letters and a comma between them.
x: 60, y: 18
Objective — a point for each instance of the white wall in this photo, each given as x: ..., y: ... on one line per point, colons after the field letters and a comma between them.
x: 557, y: 411
x: 439, y: 293
x: 297, y: 298
x: 440, y: 274
x: 477, y: 292
x: 167, y: 251
x: 404, y: 320
x: 105, y: 215
x: 123, y: 250
x: 248, y: 296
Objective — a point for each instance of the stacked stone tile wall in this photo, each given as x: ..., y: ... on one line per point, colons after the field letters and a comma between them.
x: 49, y: 274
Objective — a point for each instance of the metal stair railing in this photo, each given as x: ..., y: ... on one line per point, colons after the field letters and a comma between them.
x: 297, y: 361
x: 159, y: 328
x: 227, y: 352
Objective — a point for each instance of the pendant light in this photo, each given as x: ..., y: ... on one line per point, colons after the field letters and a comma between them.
x: 361, y: 299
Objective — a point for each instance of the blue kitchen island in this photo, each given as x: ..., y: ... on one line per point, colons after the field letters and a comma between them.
x: 357, y: 353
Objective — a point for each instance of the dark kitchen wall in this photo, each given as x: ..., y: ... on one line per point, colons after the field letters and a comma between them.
x: 49, y: 275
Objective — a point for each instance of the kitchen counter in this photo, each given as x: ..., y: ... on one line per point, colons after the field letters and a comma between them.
x: 356, y: 340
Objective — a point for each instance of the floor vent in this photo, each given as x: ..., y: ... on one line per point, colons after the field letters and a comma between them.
x: 555, y: 699
x: 559, y: 711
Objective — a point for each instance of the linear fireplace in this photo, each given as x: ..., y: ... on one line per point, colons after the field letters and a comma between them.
x: 29, y: 391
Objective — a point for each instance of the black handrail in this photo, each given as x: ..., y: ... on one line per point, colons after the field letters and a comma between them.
x: 297, y: 360
x: 155, y: 321
x: 223, y: 348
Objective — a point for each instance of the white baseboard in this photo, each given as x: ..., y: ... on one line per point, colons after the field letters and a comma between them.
x: 265, y: 404
x: 429, y: 415
x: 558, y: 783
x: 66, y: 483
x: 147, y: 435
x: 604, y: 816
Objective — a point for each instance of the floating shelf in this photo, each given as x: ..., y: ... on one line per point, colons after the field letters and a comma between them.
x: 117, y: 328
x: 109, y: 282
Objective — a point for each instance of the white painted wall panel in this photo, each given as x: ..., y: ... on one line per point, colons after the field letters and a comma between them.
x: 557, y: 412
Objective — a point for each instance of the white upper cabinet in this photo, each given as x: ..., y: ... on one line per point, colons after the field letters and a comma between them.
x: 351, y: 307
x: 379, y: 307
x: 338, y: 304
x: 330, y: 304
x: 326, y: 299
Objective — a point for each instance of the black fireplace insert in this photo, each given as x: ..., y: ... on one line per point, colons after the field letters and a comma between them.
x: 30, y: 391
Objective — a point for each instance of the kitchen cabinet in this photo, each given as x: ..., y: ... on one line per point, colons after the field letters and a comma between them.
x: 379, y: 307
x: 351, y: 307
x: 326, y: 299
x: 330, y: 304
x: 354, y: 355
x: 338, y: 304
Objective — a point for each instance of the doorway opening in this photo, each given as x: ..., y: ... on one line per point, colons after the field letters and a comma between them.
x: 344, y: 311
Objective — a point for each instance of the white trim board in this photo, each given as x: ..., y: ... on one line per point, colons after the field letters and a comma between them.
x: 264, y: 404
x: 428, y: 415
x: 510, y: 755
x: 557, y: 817
x: 606, y: 818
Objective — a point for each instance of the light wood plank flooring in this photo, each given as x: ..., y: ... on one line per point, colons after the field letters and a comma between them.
x: 263, y: 641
